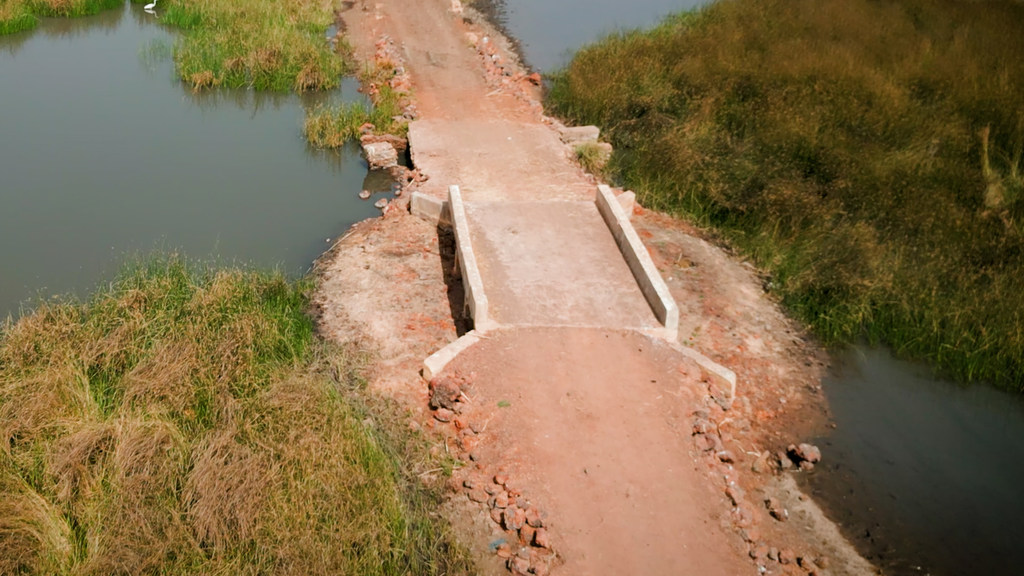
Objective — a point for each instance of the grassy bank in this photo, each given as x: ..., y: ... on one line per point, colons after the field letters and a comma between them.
x: 865, y: 153
x: 278, y: 46
x: 257, y: 44
x: 16, y: 16
x: 332, y: 126
x: 20, y: 15
x: 186, y: 421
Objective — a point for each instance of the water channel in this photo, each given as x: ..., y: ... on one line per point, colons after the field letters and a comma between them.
x: 927, y: 471
x: 548, y: 32
x: 922, y: 474
x: 105, y: 154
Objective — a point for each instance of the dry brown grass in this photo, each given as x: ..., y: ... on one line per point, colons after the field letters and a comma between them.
x: 202, y: 79
x: 186, y: 422
x: 227, y: 488
x: 70, y: 8
x: 33, y: 536
x: 865, y: 153
x: 162, y: 381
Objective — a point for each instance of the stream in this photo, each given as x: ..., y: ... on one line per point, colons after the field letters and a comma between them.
x: 104, y: 154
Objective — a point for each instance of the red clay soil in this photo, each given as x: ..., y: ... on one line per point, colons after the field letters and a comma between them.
x: 584, y: 451
x: 594, y: 428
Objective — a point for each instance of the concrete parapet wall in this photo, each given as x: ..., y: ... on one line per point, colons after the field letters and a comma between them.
x: 724, y: 377
x: 639, y: 260
x: 436, y: 362
x: 430, y: 209
x: 473, y: 283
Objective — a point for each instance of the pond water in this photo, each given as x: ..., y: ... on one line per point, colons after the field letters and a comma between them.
x: 104, y: 153
x: 929, y: 472
x: 923, y: 475
x: 548, y: 32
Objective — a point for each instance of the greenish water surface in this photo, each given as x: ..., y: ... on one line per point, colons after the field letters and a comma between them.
x: 548, y: 32
x: 104, y: 154
x: 923, y: 474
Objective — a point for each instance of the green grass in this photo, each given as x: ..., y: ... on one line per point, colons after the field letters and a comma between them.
x: 865, y: 153
x: 71, y: 8
x: 277, y: 46
x: 185, y: 420
x: 332, y: 126
x: 16, y: 16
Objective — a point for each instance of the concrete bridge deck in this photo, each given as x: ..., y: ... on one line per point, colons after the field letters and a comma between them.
x: 545, y: 254
x: 554, y: 264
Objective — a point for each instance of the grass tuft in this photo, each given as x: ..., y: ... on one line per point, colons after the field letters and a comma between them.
x: 865, y: 153
x: 333, y: 126
x: 16, y: 16
x: 71, y: 8
x: 592, y: 157
x: 279, y: 46
x: 184, y: 420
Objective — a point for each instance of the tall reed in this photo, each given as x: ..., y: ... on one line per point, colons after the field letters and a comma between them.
x: 865, y: 153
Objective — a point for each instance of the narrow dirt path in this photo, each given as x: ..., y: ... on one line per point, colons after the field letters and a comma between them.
x: 587, y: 431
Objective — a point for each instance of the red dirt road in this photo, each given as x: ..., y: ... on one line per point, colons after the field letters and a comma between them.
x: 595, y: 430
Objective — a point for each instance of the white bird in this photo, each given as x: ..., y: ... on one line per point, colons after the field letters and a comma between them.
x: 149, y: 7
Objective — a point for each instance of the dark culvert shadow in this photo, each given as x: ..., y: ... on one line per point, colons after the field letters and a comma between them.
x: 456, y: 292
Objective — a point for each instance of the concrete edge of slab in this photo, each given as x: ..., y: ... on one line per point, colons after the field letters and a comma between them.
x: 639, y: 260
x: 652, y: 332
x: 628, y: 201
x: 476, y: 299
x: 429, y: 208
x: 436, y: 362
x: 724, y: 375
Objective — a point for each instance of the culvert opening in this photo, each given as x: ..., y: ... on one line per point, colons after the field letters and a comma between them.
x: 456, y: 292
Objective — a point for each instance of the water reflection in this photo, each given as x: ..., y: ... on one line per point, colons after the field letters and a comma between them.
x: 924, y: 473
x: 69, y: 28
x: 254, y: 101
x: 249, y: 100
x: 106, y: 153
x: 380, y: 182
